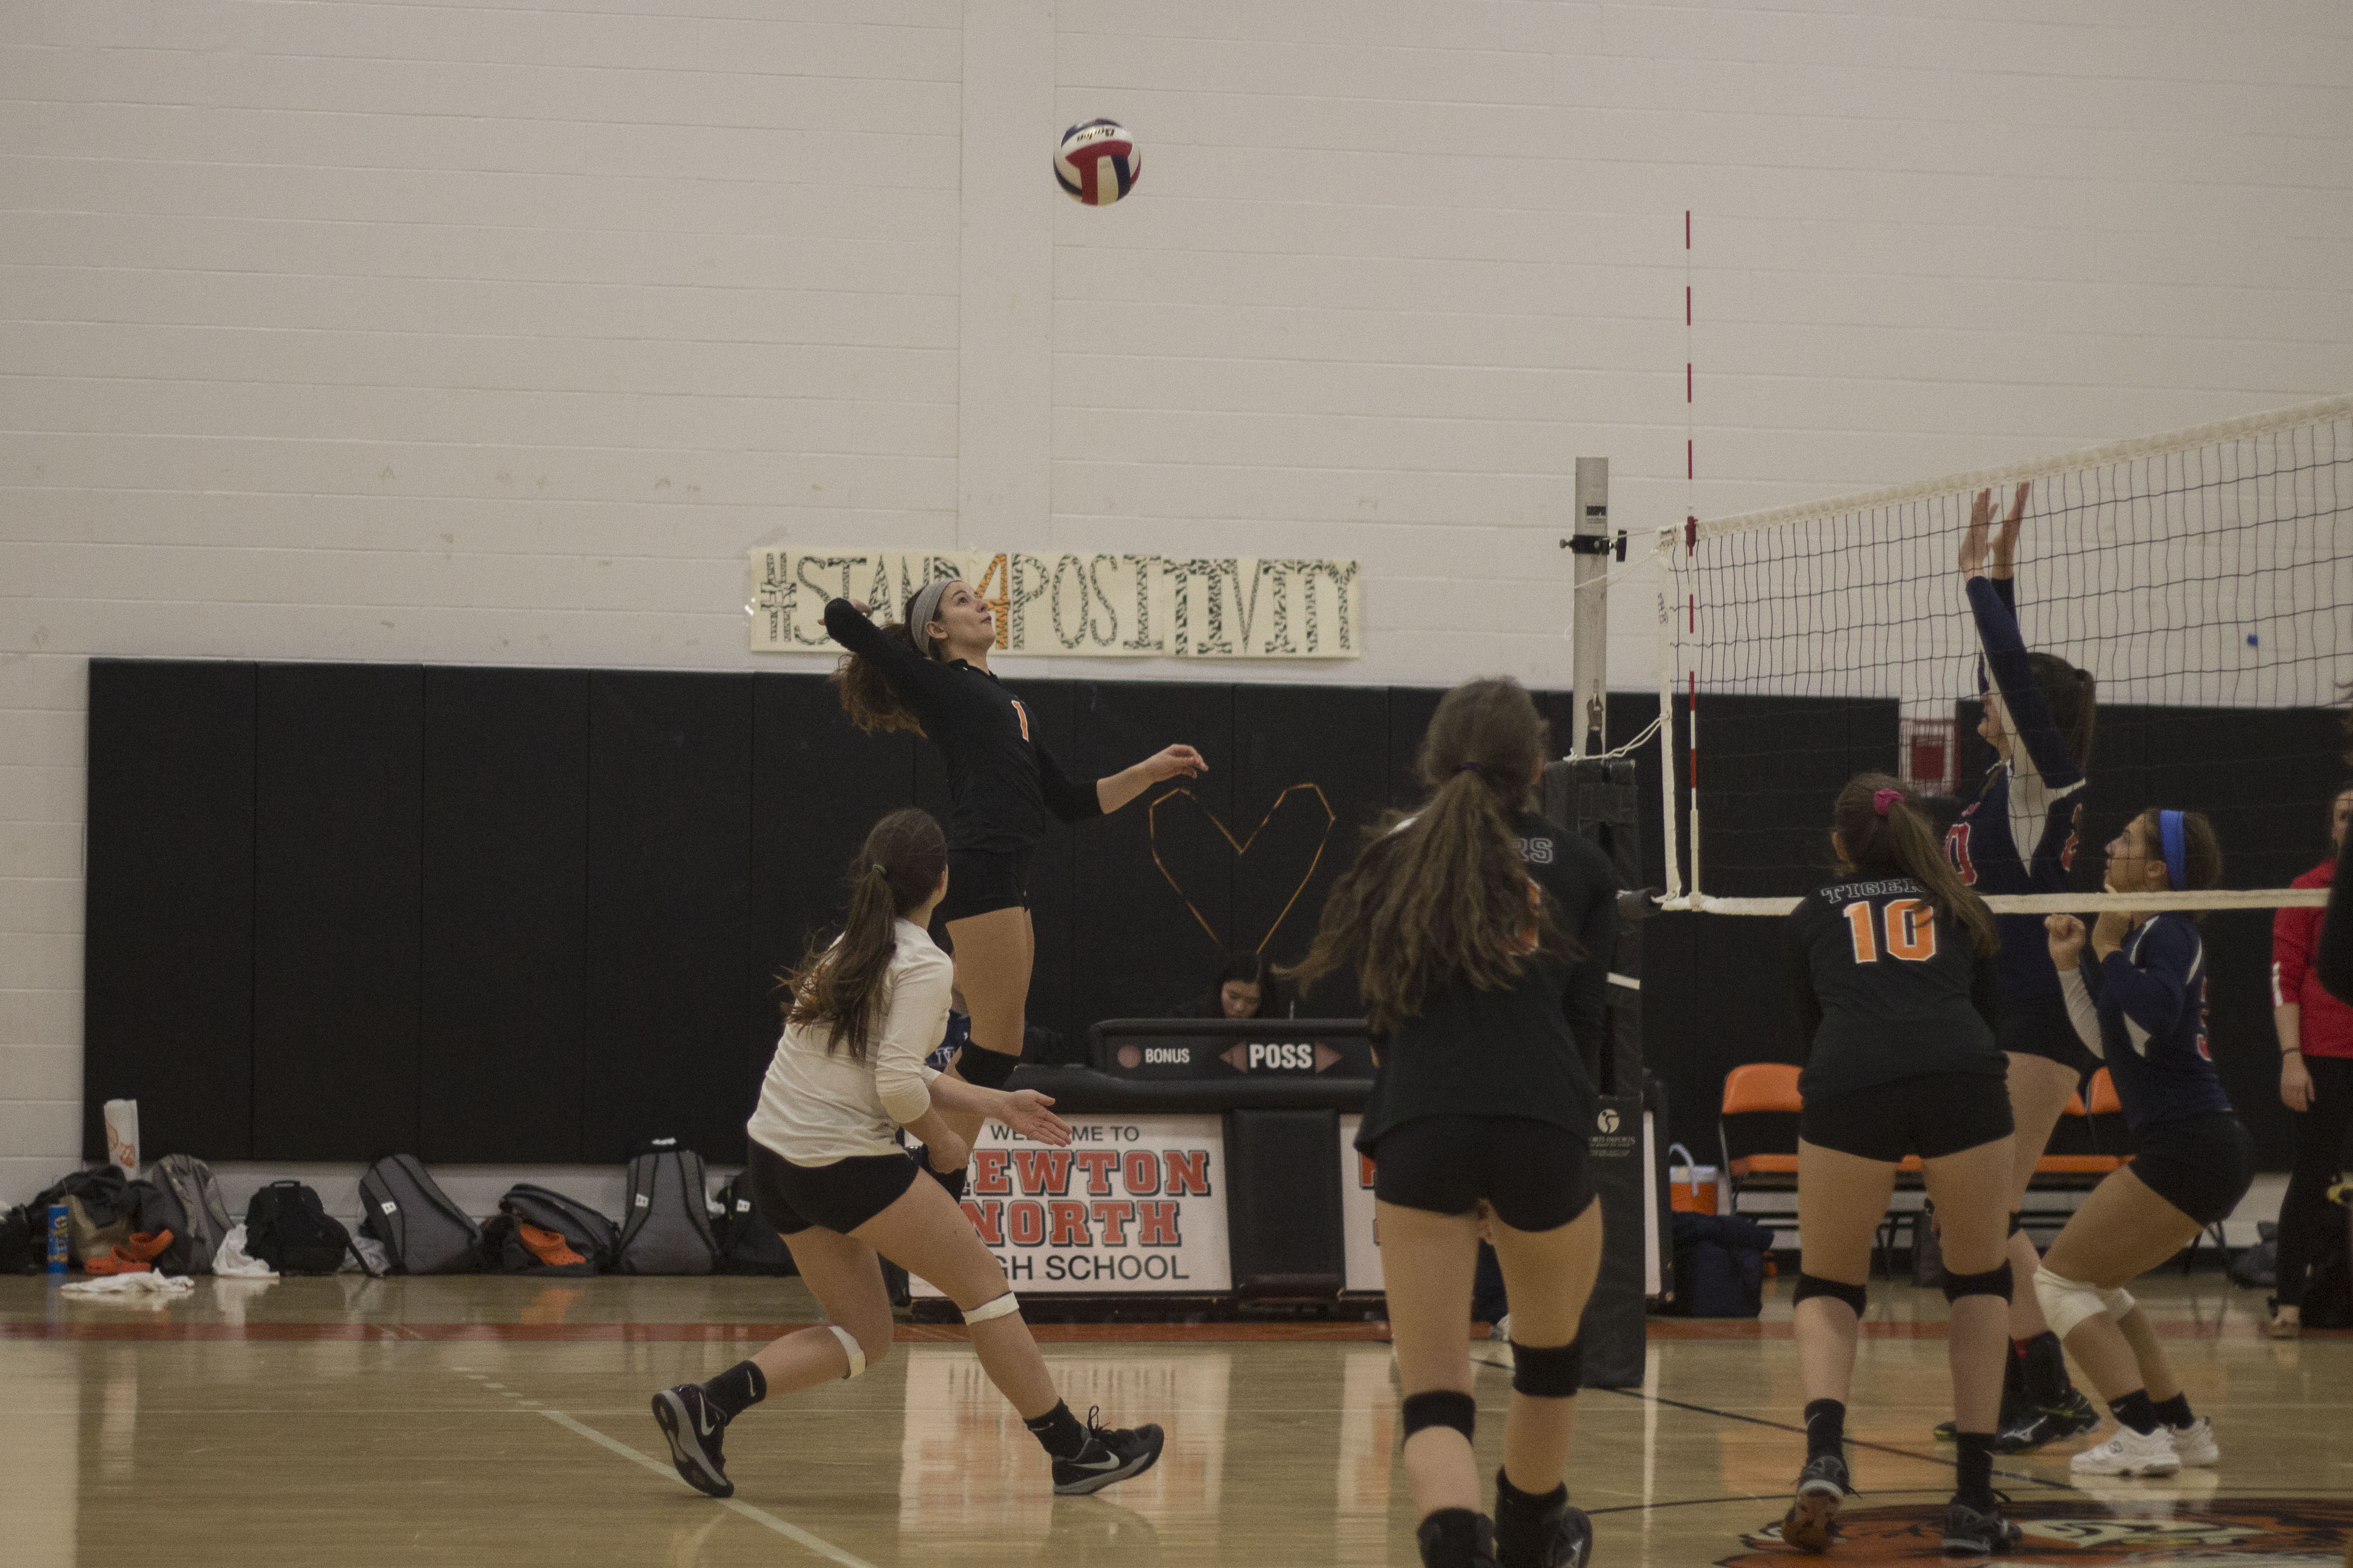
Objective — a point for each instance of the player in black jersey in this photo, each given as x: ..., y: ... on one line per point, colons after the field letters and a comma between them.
x: 1891, y: 974
x: 2137, y: 998
x: 1478, y: 1111
x: 1003, y: 784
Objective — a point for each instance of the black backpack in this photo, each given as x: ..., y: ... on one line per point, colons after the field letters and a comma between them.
x: 2329, y: 1288
x: 586, y: 1231
x: 287, y: 1227
x: 666, y: 1224
x: 747, y: 1244
x: 423, y: 1231
x: 17, y: 1253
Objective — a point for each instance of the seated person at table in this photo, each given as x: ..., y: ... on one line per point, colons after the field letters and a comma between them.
x: 1244, y: 988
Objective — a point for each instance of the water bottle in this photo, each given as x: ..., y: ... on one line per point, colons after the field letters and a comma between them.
x: 59, y: 1229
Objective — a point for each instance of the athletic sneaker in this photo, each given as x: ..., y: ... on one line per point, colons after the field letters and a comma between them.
x: 1111, y: 1454
x: 2129, y: 1453
x: 695, y: 1430
x: 2071, y: 1418
x: 1811, y: 1523
x: 1973, y: 1532
x: 2194, y: 1444
x: 1563, y: 1537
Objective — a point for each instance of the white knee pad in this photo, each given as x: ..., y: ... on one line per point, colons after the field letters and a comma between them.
x: 857, y: 1352
x: 2067, y: 1303
x: 2117, y: 1303
x: 1005, y: 1306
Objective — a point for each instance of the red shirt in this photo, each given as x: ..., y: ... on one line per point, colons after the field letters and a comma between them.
x: 2295, y: 938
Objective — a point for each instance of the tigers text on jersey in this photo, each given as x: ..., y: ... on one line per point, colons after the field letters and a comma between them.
x: 2143, y: 1010
x: 1887, y: 988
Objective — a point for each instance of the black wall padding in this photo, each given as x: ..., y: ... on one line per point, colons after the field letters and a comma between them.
x: 1139, y: 949
x: 1336, y: 740
x: 669, y: 861
x: 1769, y: 768
x: 167, y: 996
x: 1282, y: 1202
x: 818, y: 786
x: 505, y: 913
x: 338, y: 799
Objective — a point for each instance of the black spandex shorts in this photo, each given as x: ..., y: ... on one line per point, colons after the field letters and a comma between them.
x: 2202, y: 1165
x: 2039, y: 1026
x: 1531, y: 1173
x: 840, y: 1196
x: 1931, y: 1116
x: 980, y: 883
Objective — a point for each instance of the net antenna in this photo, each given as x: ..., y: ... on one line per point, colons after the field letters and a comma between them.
x: 2203, y: 577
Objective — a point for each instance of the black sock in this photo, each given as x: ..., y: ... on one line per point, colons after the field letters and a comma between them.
x: 2175, y: 1412
x: 2046, y: 1369
x: 1825, y: 1427
x: 2136, y: 1411
x: 736, y: 1390
x: 1059, y: 1432
x: 1455, y: 1538
x: 1973, y: 1467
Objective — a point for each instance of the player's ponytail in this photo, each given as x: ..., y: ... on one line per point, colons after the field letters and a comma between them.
x: 2072, y: 696
x: 1885, y: 831
x: 841, y: 985
x: 1441, y: 898
x: 866, y: 695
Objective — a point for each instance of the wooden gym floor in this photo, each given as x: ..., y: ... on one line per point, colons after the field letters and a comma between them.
x: 503, y: 1421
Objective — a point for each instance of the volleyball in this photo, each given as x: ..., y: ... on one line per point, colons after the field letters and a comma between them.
x: 1097, y: 163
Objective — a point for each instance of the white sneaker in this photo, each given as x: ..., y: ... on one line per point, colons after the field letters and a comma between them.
x: 2194, y: 1444
x: 2129, y: 1453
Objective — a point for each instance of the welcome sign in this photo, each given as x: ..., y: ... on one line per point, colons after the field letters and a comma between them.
x: 1075, y: 606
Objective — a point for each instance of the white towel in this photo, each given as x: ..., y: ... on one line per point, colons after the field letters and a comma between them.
x: 131, y: 1289
x: 232, y: 1262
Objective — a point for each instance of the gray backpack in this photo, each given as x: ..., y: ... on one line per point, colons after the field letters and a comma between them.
x: 421, y: 1229
x: 666, y: 1217
x: 190, y: 1182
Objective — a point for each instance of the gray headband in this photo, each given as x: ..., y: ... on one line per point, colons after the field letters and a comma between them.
x: 926, y: 607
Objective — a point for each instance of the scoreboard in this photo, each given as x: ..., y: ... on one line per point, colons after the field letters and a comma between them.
x: 1231, y: 1050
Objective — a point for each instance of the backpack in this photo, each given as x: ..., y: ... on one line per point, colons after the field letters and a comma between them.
x: 1719, y: 1265
x: 17, y: 1254
x: 586, y: 1232
x: 666, y: 1224
x: 2329, y: 1288
x: 421, y: 1229
x: 189, y: 1204
x: 287, y: 1227
x: 747, y: 1244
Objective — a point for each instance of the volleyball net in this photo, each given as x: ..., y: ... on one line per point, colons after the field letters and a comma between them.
x: 2204, y: 577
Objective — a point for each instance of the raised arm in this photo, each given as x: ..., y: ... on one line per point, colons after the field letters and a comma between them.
x: 2030, y: 716
x: 1124, y: 786
x: 915, y: 679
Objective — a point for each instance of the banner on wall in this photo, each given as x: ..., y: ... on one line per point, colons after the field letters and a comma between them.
x: 1135, y: 1204
x: 1095, y: 606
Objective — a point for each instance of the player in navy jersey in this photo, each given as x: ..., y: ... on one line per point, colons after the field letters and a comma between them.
x: 2019, y: 836
x: 2137, y: 998
x: 1002, y: 786
x: 1891, y: 971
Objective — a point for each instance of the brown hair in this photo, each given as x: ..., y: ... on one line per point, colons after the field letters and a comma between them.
x: 1903, y: 842
x: 2202, y: 850
x: 1441, y: 898
x: 2072, y: 696
x: 866, y: 695
x: 841, y: 984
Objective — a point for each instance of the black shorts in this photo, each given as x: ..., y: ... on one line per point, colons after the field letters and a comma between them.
x: 2039, y: 1026
x: 1931, y: 1116
x: 840, y: 1196
x: 981, y: 882
x: 2202, y: 1165
x: 1531, y: 1173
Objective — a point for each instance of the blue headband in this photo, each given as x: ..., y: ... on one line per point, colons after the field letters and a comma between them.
x: 2169, y: 829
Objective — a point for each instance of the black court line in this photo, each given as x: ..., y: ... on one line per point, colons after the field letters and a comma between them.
x: 2032, y: 1480
x: 1776, y: 1498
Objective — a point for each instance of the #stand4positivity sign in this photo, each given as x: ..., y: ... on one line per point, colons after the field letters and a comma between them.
x: 1135, y: 1204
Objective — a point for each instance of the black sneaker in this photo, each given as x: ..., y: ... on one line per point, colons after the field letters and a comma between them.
x: 695, y: 1431
x: 1811, y: 1523
x: 1971, y: 1533
x: 1111, y: 1454
x: 2071, y: 1418
x: 1457, y: 1538
x: 1560, y: 1537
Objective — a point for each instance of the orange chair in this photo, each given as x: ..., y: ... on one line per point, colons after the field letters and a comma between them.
x: 1756, y: 1128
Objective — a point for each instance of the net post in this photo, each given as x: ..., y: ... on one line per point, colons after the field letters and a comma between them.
x: 1589, y: 647
x: 1668, y: 644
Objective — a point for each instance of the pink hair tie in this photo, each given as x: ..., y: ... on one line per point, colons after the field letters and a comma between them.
x: 1882, y: 800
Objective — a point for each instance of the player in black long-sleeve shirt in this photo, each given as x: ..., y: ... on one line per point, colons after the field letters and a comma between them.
x: 1003, y: 787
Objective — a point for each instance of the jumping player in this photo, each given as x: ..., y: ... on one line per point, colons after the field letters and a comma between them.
x: 2019, y: 836
x: 1892, y: 974
x: 2138, y: 1000
x: 1478, y: 1111
x: 1002, y: 784
x: 827, y: 1173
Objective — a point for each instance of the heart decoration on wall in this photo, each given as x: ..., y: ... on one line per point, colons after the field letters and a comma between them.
x: 1241, y: 848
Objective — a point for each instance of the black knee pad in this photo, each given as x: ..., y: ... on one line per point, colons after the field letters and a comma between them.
x: 1993, y: 1282
x: 1441, y: 1408
x: 1548, y: 1372
x: 2017, y: 1223
x: 989, y: 1069
x: 1815, y: 1285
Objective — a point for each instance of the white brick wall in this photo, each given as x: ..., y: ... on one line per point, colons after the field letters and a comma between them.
x: 455, y: 331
